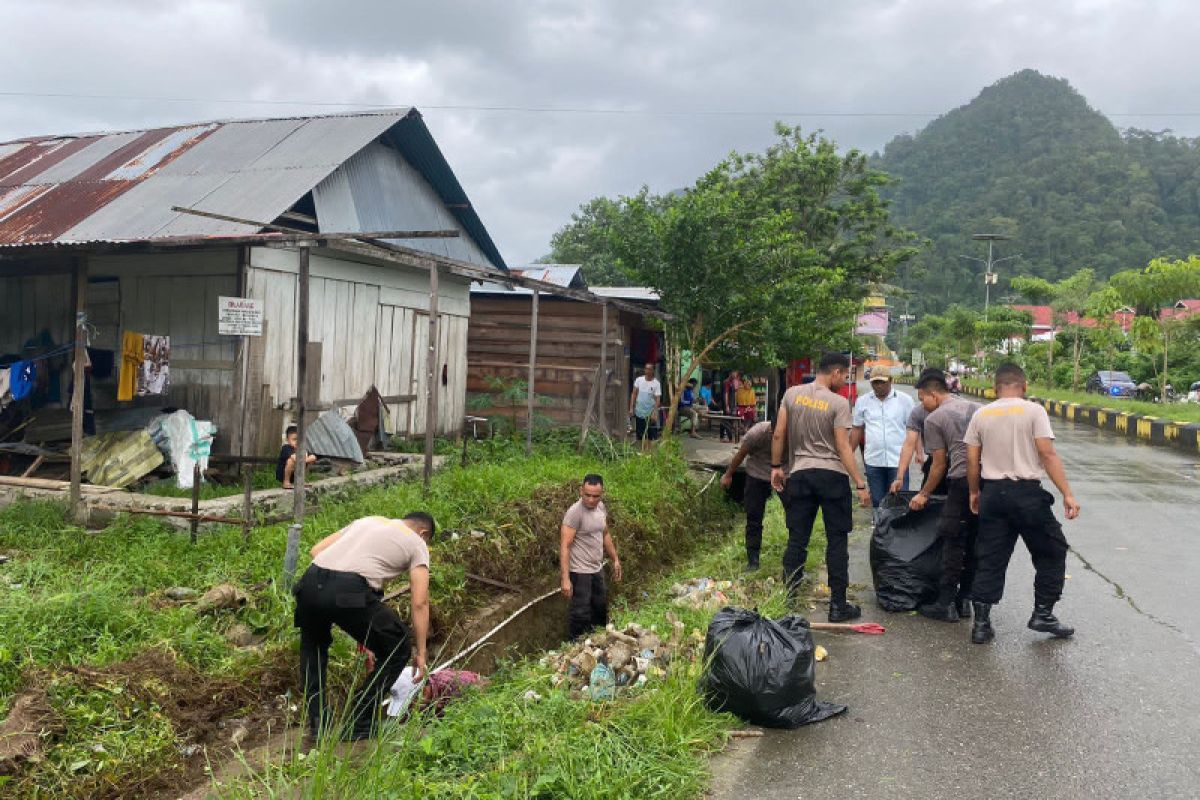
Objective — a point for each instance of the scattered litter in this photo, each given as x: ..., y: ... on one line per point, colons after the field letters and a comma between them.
x: 241, y: 729
x: 180, y: 593
x: 821, y: 590
x: 330, y: 436
x: 185, y: 440
x: 5, y: 559
x: 189, y: 750
x: 531, y: 696
x: 702, y: 594
x: 438, y: 689
x: 820, y: 654
x: 478, y: 535
x: 222, y: 597
x: 612, y: 660
x: 119, y: 458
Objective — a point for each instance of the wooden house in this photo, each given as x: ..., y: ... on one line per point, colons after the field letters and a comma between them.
x: 92, y: 229
x: 574, y: 338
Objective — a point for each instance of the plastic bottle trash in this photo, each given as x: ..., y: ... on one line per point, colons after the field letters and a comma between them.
x: 820, y: 654
x: 602, y: 682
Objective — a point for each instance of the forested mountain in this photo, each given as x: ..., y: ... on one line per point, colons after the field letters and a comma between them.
x: 1031, y: 159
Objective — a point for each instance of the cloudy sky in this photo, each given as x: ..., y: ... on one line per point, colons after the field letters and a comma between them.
x: 540, y: 105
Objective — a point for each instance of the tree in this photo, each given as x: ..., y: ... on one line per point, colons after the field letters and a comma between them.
x: 1040, y: 292
x: 585, y: 241
x: 1106, y: 336
x: 765, y: 258
x: 1071, y: 297
x: 1162, y: 283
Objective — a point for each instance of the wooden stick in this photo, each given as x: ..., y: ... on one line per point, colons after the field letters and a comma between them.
x: 301, y: 387
x: 436, y: 234
x: 157, y: 512
x: 195, y: 500
x: 32, y: 468
x: 591, y: 403
x: 434, y: 376
x: 491, y: 582
x: 533, y: 331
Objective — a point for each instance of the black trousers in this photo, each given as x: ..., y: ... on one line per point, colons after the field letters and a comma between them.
x: 1008, y: 509
x: 959, y: 529
x: 754, y: 500
x: 829, y: 491
x: 589, y: 603
x: 325, y: 598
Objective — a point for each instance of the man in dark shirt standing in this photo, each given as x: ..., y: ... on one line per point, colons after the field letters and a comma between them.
x: 755, y: 453
x: 812, y: 432
x: 945, y: 425
x: 1010, y: 446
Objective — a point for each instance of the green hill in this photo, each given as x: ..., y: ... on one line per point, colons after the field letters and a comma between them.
x: 1031, y: 159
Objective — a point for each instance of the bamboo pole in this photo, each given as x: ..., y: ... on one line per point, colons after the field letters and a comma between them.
x: 433, y: 377
x: 529, y: 389
x: 301, y: 385
x: 79, y: 290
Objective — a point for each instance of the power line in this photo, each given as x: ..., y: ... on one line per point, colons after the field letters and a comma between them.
x: 642, y: 112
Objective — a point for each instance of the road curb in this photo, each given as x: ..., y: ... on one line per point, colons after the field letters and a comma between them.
x: 1152, y: 430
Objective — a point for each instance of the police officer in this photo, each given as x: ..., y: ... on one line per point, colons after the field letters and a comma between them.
x: 812, y: 431
x: 1010, y: 446
x: 944, y: 429
x: 914, y: 442
x: 755, y: 453
x: 344, y: 586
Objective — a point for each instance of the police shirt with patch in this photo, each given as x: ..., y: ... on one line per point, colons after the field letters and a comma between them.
x: 813, y: 413
x: 1008, y: 430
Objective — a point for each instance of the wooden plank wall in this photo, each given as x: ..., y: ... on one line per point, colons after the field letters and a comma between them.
x: 369, y: 336
x: 30, y: 304
x: 568, y: 353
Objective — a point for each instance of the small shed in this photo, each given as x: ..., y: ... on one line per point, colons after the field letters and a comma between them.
x: 95, y: 229
x: 574, y: 338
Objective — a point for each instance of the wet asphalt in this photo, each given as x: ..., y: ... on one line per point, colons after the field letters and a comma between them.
x: 1112, y: 713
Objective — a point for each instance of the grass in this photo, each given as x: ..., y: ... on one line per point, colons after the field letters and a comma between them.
x: 1178, y: 412
x: 73, y: 602
x: 651, y: 743
x: 264, y: 478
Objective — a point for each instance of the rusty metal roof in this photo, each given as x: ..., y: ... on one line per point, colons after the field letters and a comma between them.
x: 120, y: 186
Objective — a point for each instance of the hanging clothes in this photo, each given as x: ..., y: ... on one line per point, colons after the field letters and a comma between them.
x: 155, y: 375
x: 132, y: 354
x: 21, y: 377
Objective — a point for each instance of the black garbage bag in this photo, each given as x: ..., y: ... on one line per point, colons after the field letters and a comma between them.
x: 762, y: 670
x: 906, y: 552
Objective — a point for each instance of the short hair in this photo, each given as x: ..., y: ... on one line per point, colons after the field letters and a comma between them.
x: 290, y: 430
x: 692, y: 381
x: 1010, y: 374
x: 831, y: 361
x: 933, y: 381
x: 424, y: 519
x: 932, y: 372
x: 592, y: 479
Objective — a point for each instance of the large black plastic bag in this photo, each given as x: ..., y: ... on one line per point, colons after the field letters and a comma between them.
x: 762, y: 670
x: 906, y: 552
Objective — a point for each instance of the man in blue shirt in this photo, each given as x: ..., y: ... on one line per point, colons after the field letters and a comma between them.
x: 880, y: 421
x: 687, y: 408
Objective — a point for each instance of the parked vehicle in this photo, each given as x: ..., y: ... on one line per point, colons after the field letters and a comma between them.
x: 1111, y: 383
x: 1193, y: 395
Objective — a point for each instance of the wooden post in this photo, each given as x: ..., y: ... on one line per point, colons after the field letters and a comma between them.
x: 244, y: 351
x: 529, y: 389
x: 247, y: 494
x: 79, y: 290
x: 603, y: 415
x: 597, y: 383
x: 301, y: 384
x: 195, y: 521
x: 434, y: 375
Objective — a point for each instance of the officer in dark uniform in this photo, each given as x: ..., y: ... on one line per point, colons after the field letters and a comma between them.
x: 1010, y: 446
x: 344, y: 586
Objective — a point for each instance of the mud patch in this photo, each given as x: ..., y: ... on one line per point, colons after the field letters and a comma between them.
x: 210, y: 718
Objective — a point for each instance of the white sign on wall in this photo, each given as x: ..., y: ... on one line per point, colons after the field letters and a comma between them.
x: 239, y: 316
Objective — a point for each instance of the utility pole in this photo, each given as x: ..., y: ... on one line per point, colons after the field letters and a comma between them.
x: 989, y: 275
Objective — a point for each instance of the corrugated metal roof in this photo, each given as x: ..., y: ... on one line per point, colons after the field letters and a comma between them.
x: 568, y: 275
x: 642, y: 294
x: 329, y: 435
x: 120, y: 186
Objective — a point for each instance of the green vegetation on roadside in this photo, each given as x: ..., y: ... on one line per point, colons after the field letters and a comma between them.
x: 494, y: 743
x: 81, y: 613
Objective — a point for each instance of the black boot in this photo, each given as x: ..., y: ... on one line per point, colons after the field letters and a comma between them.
x: 942, y: 609
x: 963, y: 606
x: 842, y: 611
x: 751, y: 561
x: 982, y: 631
x: 1043, y: 620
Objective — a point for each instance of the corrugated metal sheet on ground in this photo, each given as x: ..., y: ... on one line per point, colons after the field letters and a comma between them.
x: 332, y: 437
x: 119, y: 459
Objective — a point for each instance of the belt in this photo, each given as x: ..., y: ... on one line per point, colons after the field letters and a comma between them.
x: 320, y: 573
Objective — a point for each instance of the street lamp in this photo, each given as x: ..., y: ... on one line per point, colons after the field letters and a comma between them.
x: 989, y: 277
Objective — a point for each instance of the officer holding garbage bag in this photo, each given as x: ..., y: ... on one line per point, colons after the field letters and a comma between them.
x: 1010, y: 446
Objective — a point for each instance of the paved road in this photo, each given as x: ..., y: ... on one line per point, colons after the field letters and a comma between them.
x: 1113, y: 713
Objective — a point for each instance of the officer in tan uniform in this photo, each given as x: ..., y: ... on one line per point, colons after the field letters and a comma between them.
x: 1010, y: 447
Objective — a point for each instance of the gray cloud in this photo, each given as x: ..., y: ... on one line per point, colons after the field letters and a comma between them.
x: 526, y: 171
